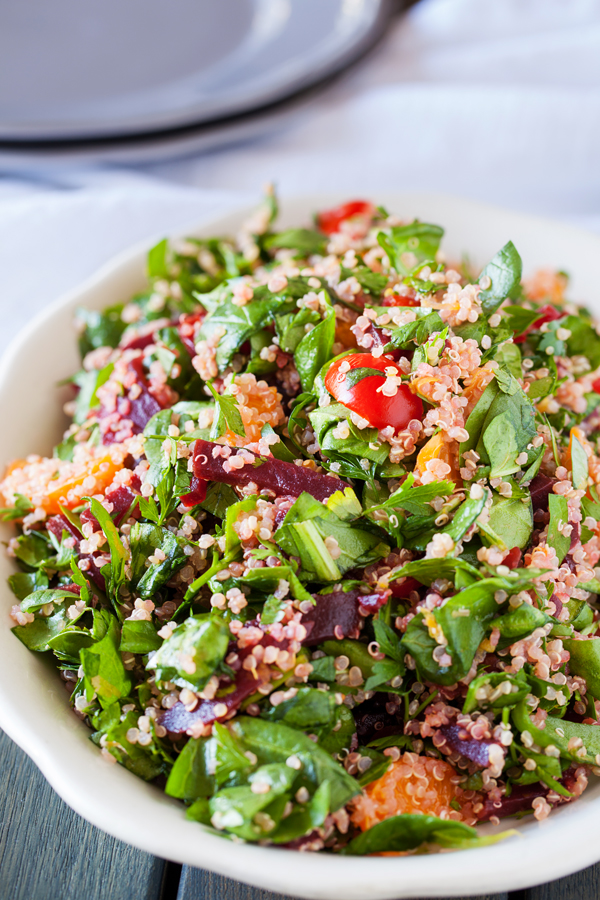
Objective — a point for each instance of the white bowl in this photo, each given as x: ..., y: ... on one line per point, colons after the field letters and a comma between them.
x: 34, y: 709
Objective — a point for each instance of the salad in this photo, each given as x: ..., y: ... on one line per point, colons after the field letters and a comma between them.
x: 316, y: 554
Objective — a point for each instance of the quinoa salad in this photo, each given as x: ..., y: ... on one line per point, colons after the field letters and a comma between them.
x: 316, y: 554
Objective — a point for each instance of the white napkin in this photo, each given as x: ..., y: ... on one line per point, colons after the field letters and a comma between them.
x: 494, y: 99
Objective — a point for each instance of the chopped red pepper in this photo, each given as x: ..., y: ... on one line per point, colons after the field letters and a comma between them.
x: 547, y: 314
x: 329, y: 220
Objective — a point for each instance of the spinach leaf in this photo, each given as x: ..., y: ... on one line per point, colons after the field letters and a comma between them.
x: 408, y: 831
x: 304, y: 530
x: 371, y: 282
x: 427, y: 570
x: 585, y: 661
x: 417, y: 332
x: 145, y: 762
x: 559, y: 515
x: 24, y: 583
x: 511, y: 521
x: 144, y: 540
x: 274, y: 742
x: 22, y: 507
x: 38, y: 634
x: 232, y: 325
x: 505, y: 271
x: 194, y: 651
x: 418, y: 238
x: 498, y: 697
x: 118, y: 553
x: 584, y: 340
x: 579, y: 464
x: 309, y: 709
x: 306, y: 241
x: 315, y: 348
x: 104, y: 674
x: 219, y: 497
x: 41, y: 597
x: 559, y: 732
x: 99, y: 329
x: 88, y: 384
x: 139, y: 636
x: 192, y: 775
x: 519, y: 623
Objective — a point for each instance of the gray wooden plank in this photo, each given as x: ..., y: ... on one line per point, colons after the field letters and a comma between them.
x: 196, y: 884
x: 584, y: 885
x: 47, y: 852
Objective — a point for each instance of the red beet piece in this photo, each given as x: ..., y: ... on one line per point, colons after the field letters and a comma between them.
x: 373, y: 602
x: 476, y: 751
x: 138, y: 410
x: 56, y: 525
x: 178, y: 719
x: 402, y: 589
x: 187, y: 330
x: 121, y: 499
x: 336, y: 611
x: 197, y: 492
x: 283, y: 478
x: 513, y: 559
x: 540, y: 488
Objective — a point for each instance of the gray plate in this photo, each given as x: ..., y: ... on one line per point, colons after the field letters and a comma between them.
x: 73, y: 70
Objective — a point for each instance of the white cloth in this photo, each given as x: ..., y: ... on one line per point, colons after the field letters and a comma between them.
x: 493, y: 99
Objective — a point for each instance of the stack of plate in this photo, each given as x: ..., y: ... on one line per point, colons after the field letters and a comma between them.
x: 145, y: 79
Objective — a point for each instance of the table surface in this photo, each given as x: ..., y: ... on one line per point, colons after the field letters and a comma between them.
x: 47, y: 852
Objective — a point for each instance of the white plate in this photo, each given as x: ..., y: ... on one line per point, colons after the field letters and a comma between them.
x: 72, y: 70
x: 33, y: 703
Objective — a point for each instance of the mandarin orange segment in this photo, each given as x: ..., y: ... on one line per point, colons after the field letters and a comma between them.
x: 50, y: 483
x: 437, y: 448
x: 478, y: 382
x: 412, y: 784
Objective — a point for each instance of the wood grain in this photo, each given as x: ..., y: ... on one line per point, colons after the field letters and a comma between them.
x: 196, y: 884
x: 583, y: 885
x: 47, y: 852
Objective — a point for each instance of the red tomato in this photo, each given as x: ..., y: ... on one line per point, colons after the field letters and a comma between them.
x: 547, y: 314
x: 330, y: 219
x: 513, y: 558
x: 399, y: 300
x: 596, y: 386
x: 363, y: 397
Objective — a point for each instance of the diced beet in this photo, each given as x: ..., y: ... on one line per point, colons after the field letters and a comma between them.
x: 373, y: 602
x: 513, y: 558
x: 403, y: 587
x: 187, y: 330
x: 540, y: 487
x: 138, y: 342
x: 197, y: 493
x: 136, y: 409
x: 335, y: 616
x: 520, y: 800
x: 56, y: 525
x: 59, y: 523
x: 457, y: 738
x: 72, y: 588
x: 121, y: 498
x: 283, y: 478
x: 178, y: 719
x: 373, y: 719
x: 575, y: 535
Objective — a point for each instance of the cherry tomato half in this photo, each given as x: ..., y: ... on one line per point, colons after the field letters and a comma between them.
x: 547, y: 314
x: 330, y: 220
x: 398, y: 300
x: 363, y: 397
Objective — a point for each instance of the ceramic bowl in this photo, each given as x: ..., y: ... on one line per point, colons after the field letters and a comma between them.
x: 34, y: 709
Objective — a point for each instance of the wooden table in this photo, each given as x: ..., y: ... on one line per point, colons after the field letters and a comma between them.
x: 47, y: 852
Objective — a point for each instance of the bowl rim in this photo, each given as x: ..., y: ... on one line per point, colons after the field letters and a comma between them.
x: 557, y: 848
